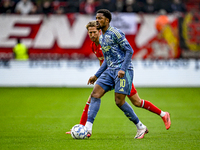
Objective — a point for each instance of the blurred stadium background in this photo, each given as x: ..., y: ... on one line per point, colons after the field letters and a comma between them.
x: 165, y: 36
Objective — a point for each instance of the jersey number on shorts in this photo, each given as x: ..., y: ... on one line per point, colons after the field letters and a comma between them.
x: 122, y: 82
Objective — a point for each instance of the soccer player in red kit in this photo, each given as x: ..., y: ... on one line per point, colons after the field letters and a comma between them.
x: 94, y: 34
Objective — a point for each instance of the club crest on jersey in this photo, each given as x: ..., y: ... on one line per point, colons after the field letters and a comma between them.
x: 106, y: 48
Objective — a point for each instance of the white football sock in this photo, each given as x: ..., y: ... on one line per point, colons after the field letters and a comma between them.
x: 89, y: 125
x: 140, y: 125
x: 162, y: 114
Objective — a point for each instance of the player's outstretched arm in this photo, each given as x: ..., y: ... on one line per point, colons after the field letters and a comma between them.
x: 93, y: 79
x: 101, y: 69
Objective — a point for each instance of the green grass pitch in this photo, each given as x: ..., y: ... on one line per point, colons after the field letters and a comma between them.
x: 37, y: 118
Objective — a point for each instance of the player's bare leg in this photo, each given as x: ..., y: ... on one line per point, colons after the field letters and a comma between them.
x: 96, y: 94
x: 135, y: 100
x: 119, y: 99
x: 128, y: 111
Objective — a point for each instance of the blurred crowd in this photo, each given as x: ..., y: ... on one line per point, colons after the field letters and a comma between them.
x: 91, y: 6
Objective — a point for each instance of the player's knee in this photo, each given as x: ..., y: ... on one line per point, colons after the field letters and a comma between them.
x: 98, y: 91
x: 119, y: 102
x: 95, y: 94
x: 119, y: 99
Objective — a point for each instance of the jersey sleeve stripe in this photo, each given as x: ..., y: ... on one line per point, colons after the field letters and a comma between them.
x: 129, y: 79
x: 116, y: 33
x: 122, y: 41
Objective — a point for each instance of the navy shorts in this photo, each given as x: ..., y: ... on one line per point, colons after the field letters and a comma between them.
x: 109, y: 80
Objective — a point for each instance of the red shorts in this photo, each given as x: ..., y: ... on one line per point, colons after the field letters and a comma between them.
x: 133, y: 91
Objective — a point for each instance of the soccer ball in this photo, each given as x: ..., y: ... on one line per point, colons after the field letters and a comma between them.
x: 79, y: 131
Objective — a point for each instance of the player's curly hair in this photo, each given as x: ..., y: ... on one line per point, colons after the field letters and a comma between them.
x: 91, y: 24
x: 106, y: 13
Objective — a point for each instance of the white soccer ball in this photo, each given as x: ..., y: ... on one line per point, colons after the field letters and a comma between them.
x: 79, y: 131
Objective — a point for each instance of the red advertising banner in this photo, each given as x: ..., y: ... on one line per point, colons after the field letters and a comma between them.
x: 65, y: 36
